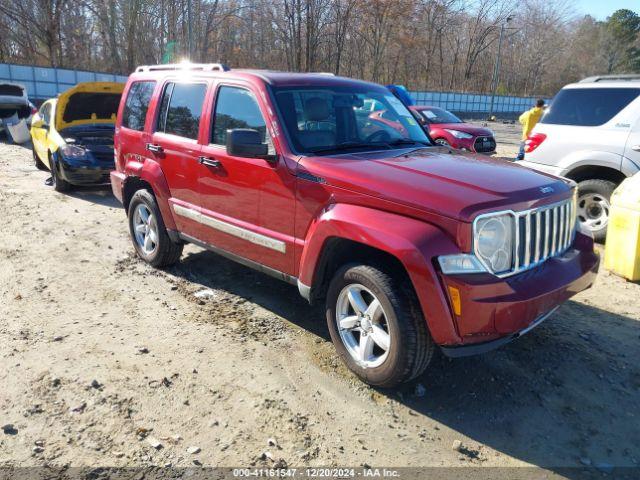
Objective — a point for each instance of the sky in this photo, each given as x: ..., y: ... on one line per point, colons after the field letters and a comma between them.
x: 601, y: 9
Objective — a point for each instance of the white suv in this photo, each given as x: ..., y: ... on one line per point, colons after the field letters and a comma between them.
x: 590, y: 134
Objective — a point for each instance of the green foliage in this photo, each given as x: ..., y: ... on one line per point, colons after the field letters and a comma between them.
x: 169, y: 52
x: 622, y: 41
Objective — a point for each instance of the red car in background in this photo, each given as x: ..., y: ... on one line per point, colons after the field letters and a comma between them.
x: 446, y: 129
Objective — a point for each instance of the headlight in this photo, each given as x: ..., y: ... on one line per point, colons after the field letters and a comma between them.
x: 73, y: 151
x: 493, y: 237
x: 458, y: 133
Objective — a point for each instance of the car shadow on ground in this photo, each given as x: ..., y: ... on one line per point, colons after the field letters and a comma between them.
x: 214, y: 271
x: 565, y: 395
x: 100, y: 195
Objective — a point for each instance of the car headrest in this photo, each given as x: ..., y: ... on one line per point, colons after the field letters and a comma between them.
x: 316, y: 109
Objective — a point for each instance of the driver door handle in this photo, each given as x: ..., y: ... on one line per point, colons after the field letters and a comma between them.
x: 636, y: 148
x: 152, y: 147
x: 209, y: 162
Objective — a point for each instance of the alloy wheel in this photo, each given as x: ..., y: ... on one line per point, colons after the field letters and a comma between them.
x: 145, y: 229
x: 363, y: 326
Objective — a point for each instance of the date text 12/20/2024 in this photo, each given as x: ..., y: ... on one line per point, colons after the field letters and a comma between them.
x: 367, y: 472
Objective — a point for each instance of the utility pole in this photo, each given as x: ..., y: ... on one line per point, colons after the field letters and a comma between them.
x: 189, y: 30
x: 496, y: 69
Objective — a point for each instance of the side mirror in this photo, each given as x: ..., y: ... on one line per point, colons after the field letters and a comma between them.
x: 246, y: 142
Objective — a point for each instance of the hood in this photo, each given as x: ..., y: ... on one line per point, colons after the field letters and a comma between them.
x: 88, y: 103
x: 436, y: 180
x: 466, y: 128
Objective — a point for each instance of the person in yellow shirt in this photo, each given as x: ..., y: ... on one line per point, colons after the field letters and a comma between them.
x: 528, y: 120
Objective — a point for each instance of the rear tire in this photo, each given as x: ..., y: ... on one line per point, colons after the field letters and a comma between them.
x: 36, y: 160
x: 59, y: 184
x: 148, y: 233
x: 410, y: 347
x: 594, y: 203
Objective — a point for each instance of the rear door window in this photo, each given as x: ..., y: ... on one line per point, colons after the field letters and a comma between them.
x: 588, y: 107
x: 137, y: 104
x: 181, y: 109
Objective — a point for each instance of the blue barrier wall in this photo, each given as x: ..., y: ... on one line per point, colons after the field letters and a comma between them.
x: 471, y: 103
x: 43, y: 83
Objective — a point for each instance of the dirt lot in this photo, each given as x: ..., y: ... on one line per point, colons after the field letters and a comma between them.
x: 108, y: 362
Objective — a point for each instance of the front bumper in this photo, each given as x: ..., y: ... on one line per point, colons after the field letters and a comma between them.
x: 484, y: 347
x: 495, y: 311
x: 84, y: 172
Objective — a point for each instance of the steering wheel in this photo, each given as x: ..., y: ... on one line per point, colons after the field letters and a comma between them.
x: 382, y: 134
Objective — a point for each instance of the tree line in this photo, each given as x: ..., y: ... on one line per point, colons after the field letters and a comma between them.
x: 423, y: 44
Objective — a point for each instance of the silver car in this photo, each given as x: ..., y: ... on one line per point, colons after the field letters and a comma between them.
x: 590, y: 134
x: 14, y: 104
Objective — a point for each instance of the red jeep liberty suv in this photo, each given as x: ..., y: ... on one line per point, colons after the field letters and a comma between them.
x: 412, y: 247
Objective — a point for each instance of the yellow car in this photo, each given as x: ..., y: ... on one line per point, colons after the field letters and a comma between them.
x: 72, y: 135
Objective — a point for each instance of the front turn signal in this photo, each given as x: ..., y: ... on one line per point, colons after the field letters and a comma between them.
x: 456, y: 303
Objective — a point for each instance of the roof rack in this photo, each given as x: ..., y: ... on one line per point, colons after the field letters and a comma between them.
x: 611, y: 78
x: 205, y: 67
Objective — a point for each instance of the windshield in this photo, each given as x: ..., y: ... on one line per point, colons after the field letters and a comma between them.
x: 438, y: 115
x: 328, y: 119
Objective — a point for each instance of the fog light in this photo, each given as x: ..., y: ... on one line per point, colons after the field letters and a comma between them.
x: 460, y: 263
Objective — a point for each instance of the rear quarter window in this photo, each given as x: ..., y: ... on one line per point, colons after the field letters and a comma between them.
x: 12, y: 90
x: 137, y: 104
x: 588, y: 107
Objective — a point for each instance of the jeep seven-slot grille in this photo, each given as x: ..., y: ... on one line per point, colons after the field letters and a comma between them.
x: 542, y: 233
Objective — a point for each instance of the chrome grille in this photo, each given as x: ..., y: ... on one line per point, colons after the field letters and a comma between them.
x: 542, y: 233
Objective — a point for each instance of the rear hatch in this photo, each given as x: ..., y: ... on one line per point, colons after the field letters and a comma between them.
x: 581, y: 119
x: 13, y: 101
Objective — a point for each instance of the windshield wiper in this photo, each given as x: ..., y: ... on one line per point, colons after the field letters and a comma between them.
x: 407, y: 141
x: 349, y: 145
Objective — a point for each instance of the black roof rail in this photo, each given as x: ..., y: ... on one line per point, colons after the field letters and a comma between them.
x: 205, y: 67
x: 626, y: 77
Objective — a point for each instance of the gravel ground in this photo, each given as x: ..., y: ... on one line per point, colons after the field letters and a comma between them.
x: 108, y: 362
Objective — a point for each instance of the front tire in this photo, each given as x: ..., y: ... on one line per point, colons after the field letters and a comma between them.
x: 377, y: 326
x: 59, y: 184
x: 148, y: 233
x: 36, y: 160
x: 594, y: 203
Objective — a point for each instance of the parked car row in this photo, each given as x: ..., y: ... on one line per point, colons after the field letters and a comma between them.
x: 336, y: 186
